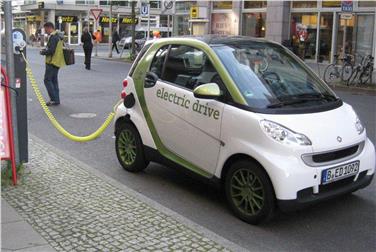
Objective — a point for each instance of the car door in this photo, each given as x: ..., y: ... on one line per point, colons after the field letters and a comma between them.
x: 187, y: 126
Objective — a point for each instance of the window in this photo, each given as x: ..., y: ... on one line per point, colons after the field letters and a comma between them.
x: 139, y: 56
x: 268, y: 76
x: 303, y: 34
x: 184, y: 6
x: 189, y: 67
x: 222, y: 5
x: 304, y: 4
x: 254, y: 4
x: 158, y: 61
x: 155, y: 4
x: 367, y: 3
x: 254, y: 24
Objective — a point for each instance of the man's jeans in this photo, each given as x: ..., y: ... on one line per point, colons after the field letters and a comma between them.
x: 51, y: 82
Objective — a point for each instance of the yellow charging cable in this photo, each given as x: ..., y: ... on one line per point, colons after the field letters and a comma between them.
x: 52, y: 118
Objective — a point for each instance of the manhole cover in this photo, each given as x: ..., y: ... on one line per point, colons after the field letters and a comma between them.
x: 83, y: 115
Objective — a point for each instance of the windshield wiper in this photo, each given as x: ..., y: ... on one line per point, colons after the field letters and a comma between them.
x: 301, y: 98
x: 326, y: 97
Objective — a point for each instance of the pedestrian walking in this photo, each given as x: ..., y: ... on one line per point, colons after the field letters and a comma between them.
x: 87, y: 41
x: 54, y: 61
x: 115, y: 39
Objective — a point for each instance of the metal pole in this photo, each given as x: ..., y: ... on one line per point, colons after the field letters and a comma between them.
x: 96, y: 42
x: 133, y: 27
x: 110, y: 34
x: 10, y: 72
x: 148, y: 21
x: 168, y: 25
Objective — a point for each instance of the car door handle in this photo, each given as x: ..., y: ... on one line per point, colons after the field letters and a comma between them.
x: 150, y: 79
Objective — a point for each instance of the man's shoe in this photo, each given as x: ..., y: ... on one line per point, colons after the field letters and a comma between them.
x: 52, y: 103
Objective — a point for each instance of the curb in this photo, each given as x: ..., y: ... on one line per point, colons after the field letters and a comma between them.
x: 360, y: 90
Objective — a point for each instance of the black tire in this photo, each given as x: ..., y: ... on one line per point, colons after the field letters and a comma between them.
x: 365, y: 76
x: 347, y: 71
x: 129, y: 148
x: 249, y: 192
x: 330, y: 74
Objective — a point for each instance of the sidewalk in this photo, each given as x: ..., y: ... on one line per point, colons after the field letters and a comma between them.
x: 76, y: 208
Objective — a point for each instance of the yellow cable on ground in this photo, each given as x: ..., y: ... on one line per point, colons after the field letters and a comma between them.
x: 52, y: 118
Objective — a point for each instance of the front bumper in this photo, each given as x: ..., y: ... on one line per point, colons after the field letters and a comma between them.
x: 306, y: 197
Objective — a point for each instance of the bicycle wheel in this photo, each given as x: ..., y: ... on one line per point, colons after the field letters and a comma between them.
x: 365, y: 76
x: 347, y: 71
x: 331, y: 73
x: 354, y: 76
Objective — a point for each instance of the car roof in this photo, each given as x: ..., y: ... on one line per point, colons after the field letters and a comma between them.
x: 213, y: 39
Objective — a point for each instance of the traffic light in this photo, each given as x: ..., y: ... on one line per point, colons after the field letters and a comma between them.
x: 41, y: 5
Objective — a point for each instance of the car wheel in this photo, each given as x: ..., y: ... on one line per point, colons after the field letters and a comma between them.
x: 129, y: 148
x: 249, y: 192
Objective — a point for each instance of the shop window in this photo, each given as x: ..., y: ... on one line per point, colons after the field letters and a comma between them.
x: 222, y: 5
x: 304, y: 4
x: 254, y: 4
x: 181, y: 25
x: 367, y: 3
x: 304, y: 34
x: 222, y: 24
x: 364, y: 35
x: 331, y: 4
x: 254, y: 24
x: 325, y: 43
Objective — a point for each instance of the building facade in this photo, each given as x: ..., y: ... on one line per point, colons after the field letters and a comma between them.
x: 71, y: 16
x: 314, y: 30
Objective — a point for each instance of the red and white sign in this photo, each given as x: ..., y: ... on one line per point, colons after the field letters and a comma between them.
x: 4, y: 135
x: 96, y: 13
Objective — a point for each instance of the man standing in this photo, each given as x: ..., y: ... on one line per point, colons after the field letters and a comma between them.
x: 54, y: 60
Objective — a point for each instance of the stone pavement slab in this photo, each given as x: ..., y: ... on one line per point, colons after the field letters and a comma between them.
x: 77, y: 208
x: 17, y: 235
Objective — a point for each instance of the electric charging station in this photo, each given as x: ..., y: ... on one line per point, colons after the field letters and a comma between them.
x: 20, y: 86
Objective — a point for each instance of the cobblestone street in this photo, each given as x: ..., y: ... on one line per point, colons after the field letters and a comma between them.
x: 76, y: 210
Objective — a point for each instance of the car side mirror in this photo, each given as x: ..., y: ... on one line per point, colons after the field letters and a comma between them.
x: 207, y: 91
x: 150, y: 79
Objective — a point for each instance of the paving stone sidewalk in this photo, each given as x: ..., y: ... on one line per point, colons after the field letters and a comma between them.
x: 76, y: 208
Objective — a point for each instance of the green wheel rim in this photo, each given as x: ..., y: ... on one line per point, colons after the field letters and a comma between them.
x: 247, y: 192
x: 127, y: 147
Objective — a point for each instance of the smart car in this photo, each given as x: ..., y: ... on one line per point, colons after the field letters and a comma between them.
x: 247, y: 114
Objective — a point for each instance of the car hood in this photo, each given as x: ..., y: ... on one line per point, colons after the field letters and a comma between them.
x: 327, y: 130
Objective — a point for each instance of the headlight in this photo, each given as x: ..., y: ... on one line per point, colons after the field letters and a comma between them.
x: 282, y: 134
x: 359, y: 126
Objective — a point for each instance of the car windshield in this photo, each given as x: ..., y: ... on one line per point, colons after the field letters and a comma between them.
x: 270, y: 77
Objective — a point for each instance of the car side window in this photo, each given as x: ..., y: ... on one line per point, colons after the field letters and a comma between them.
x: 158, y: 61
x: 190, y: 67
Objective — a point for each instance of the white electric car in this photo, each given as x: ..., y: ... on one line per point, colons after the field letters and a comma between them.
x: 246, y: 113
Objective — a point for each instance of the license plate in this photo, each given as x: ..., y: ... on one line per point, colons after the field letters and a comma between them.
x: 339, y: 172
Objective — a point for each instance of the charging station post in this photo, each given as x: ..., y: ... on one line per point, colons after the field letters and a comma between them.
x: 15, y: 41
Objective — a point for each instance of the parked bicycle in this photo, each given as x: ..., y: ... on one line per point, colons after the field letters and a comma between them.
x: 333, y: 72
x: 362, y: 72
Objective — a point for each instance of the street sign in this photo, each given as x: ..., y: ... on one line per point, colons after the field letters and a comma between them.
x: 144, y: 11
x: 60, y: 19
x: 168, y: 7
x: 347, y: 16
x: 194, y: 12
x: 347, y: 6
x: 96, y: 13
